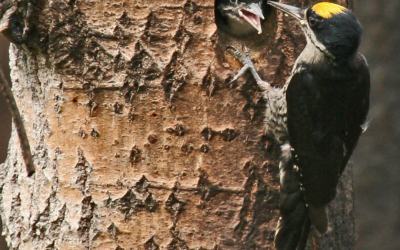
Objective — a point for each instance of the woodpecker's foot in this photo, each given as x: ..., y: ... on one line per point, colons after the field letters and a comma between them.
x: 248, y: 65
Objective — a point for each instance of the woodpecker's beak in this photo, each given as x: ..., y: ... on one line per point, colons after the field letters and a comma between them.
x: 295, y: 12
x: 252, y: 14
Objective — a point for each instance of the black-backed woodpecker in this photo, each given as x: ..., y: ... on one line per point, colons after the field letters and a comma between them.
x: 317, y: 117
x: 240, y: 18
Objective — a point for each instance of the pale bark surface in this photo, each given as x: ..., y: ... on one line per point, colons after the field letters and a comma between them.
x: 139, y: 140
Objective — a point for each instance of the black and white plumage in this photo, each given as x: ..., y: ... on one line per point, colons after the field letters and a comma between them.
x: 317, y: 117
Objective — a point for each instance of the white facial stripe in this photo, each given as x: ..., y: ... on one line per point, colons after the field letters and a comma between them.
x: 313, y: 39
x: 312, y: 36
x: 311, y: 53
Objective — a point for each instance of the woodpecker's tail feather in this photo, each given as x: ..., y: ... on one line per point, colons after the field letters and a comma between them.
x: 294, y: 224
x: 293, y: 229
x: 296, y: 217
x: 319, y: 218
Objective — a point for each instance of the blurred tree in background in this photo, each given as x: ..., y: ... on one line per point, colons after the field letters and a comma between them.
x: 377, y: 175
x: 377, y: 172
x: 5, y: 118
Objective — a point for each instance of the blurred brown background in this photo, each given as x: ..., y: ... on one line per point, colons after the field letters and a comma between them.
x: 5, y: 117
x: 377, y: 172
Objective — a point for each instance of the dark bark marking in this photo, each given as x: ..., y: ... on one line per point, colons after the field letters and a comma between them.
x: 182, y: 38
x: 91, y: 107
x: 135, y: 156
x: 57, y: 109
x: 255, y: 109
x: 228, y: 134
x: 64, y: 37
x: 255, y: 104
x: 176, y: 243
x: 150, y: 204
x: 141, y: 185
x: 41, y: 150
x: 174, y: 206
x: 129, y: 89
x: 191, y: 7
x: 55, y: 226
x: 57, y: 153
x: 131, y: 114
x: 140, y: 69
x: 131, y: 202
x: 206, y: 188
x: 94, y: 133
x: 204, y: 149
x: 118, y: 108
x: 151, y: 18
x: 209, y: 83
x: 126, y: 204
x: 84, y: 170
x: 41, y: 223
x: 14, y: 178
x: 208, y: 133
x: 82, y: 133
x: 42, y: 227
x: 178, y: 130
x: 113, y: 230
x: 151, y: 244
x: 258, y: 198
x: 248, y: 167
x: 124, y: 19
x: 152, y: 138
x: 174, y: 77
x: 187, y: 148
x: 51, y: 246
x: 86, y: 230
x: 15, y: 21
x: 175, y: 73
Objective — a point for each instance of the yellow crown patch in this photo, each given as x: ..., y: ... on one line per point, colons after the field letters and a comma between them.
x: 326, y: 10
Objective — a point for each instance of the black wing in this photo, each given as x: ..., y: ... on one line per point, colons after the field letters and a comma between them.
x: 325, y: 114
x: 359, y: 107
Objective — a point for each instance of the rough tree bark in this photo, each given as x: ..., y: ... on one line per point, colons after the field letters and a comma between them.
x: 139, y: 140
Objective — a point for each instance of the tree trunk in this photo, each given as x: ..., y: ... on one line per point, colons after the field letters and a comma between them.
x: 139, y: 140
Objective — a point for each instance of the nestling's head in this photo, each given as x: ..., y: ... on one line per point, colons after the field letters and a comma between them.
x: 240, y: 17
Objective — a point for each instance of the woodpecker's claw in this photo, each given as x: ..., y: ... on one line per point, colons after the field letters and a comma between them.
x: 247, y: 65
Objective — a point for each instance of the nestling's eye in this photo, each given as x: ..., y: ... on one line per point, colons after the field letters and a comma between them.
x: 312, y: 21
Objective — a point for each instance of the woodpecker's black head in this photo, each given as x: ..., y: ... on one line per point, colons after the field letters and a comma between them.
x: 332, y: 28
x: 240, y: 18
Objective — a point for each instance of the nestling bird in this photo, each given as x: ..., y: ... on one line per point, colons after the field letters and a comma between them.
x: 317, y: 116
x: 240, y: 18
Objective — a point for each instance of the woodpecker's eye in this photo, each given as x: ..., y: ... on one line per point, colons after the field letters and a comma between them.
x: 312, y: 21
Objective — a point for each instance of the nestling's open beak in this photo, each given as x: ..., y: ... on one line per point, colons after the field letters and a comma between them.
x: 252, y: 14
x: 295, y: 12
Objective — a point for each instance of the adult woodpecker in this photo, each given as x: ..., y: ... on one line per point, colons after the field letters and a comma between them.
x: 240, y: 18
x: 317, y: 116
